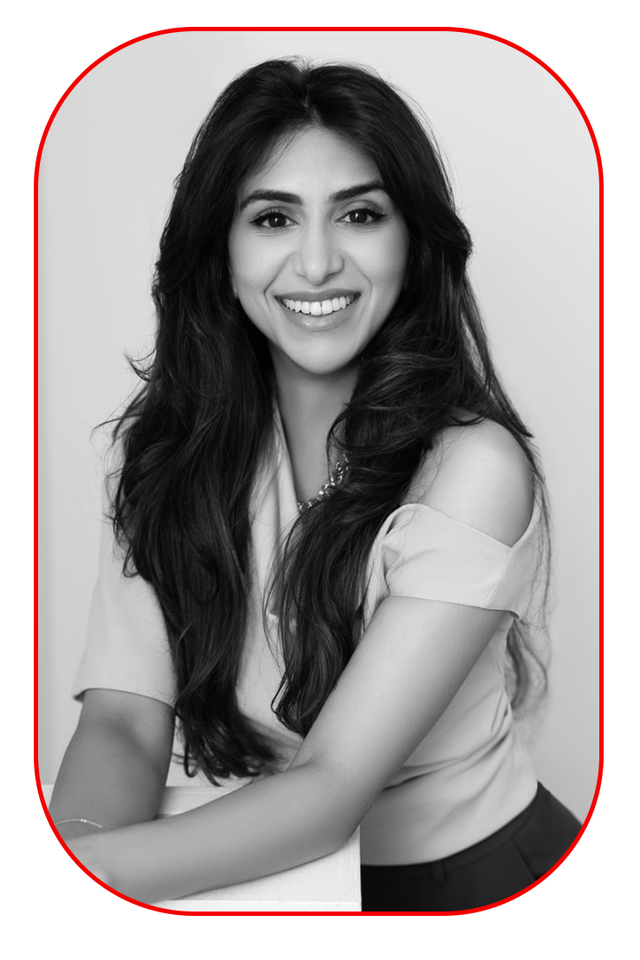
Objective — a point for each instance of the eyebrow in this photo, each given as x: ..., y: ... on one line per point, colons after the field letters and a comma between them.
x: 282, y: 197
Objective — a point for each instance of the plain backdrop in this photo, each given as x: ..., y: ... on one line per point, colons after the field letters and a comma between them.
x: 525, y: 177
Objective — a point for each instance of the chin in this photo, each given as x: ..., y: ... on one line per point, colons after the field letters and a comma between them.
x: 324, y: 364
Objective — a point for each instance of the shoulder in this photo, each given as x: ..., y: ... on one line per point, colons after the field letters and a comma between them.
x: 480, y: 475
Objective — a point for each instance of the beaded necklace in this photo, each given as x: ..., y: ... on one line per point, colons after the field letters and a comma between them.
x: 336, y: 477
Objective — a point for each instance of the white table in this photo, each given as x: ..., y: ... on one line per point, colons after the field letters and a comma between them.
x: 331, y: 884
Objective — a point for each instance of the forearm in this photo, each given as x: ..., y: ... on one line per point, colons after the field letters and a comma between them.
x: 268, y: 826
x: 106, y: 777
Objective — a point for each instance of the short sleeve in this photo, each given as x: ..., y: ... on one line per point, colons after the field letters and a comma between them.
x: 126, y: 647
x: 428, y: 555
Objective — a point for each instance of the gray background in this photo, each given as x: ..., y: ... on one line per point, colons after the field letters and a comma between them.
x: 525, y: 176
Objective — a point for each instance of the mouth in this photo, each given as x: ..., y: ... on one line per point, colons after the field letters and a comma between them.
x: 318, y: 308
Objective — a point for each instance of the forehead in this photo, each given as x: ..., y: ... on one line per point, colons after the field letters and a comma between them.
x: 313, y: 160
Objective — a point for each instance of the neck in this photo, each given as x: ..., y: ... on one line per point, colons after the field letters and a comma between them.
x: 308, y: 406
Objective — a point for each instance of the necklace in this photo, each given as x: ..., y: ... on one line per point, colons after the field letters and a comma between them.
x: 336, y: 477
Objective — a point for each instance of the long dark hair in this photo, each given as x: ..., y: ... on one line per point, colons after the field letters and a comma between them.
x: 196, y: 433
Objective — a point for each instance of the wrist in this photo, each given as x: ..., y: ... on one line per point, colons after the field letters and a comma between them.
x: 73, y: 827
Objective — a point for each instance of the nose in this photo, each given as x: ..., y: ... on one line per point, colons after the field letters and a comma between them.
x: 318, y: 255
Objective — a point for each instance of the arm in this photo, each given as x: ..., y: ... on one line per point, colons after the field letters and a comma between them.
x: 387, y: 699
x: 411, y: 661
x: 116, y: 764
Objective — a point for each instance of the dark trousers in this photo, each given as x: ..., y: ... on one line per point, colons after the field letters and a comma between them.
x: 494, y: 869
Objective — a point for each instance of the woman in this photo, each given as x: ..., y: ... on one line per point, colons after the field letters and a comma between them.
x: 329, y: 525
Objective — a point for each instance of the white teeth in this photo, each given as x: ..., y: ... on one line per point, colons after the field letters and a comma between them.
x: 318, y: 308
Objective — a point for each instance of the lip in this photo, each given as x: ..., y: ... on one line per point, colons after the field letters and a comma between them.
x: 313, y: 296
x: 318, y: 322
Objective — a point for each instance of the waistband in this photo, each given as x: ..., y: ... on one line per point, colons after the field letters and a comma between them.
x: 483, y: 848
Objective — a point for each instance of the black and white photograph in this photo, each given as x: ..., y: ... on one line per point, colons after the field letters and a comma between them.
x: 319, y: 488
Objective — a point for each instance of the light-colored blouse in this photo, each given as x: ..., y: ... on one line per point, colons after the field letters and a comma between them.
x: 471, y: 774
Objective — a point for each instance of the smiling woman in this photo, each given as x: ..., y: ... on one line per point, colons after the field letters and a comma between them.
x: 328, y: 527
x: 317, y: 254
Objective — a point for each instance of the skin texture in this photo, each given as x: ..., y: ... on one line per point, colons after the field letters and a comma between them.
x: 297, y: 236
x: 408, y: 666
x: 314, y: 244
x: 415, y: 653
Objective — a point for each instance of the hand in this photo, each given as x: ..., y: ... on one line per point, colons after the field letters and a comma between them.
x: 72, y: 829
x: 92, y: 851
x: 117, y: 858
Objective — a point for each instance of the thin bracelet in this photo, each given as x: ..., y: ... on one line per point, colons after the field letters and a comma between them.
x: 91, y: 823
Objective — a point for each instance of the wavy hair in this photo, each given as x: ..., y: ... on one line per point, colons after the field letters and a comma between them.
x: 194, y: 436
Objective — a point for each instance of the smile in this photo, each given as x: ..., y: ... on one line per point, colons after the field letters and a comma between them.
x: 318, y: 308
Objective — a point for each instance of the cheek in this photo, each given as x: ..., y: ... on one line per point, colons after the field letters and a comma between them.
x: 251, y: 270
x: 391, y: 267
x: 402, y: 255
x: 242, y: 262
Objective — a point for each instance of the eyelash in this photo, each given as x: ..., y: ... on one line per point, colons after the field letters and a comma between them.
x: 260, y: 220
x: 375, y: 215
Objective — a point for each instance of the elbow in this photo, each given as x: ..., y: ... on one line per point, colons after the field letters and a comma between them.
x: 329, y: 836
x: 337, y: 835
x: 339, y: 807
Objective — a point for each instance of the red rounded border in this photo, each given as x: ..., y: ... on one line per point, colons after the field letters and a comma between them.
x: 478, y: 33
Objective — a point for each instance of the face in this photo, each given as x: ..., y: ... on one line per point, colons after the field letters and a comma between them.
x: 317, y: 253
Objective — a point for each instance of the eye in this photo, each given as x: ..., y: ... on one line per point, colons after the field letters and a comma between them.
x: 362, y: 216
x: 271, y: 219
